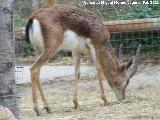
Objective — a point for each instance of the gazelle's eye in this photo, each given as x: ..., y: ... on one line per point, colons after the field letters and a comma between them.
x: 117, y: 83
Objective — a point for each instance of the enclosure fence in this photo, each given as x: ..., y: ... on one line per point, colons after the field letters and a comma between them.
x: 128, y: 34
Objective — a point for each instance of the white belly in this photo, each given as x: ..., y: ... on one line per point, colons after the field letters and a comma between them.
x: 72, y: 41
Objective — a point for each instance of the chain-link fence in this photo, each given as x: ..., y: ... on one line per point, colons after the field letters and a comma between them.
x: 129, y: 34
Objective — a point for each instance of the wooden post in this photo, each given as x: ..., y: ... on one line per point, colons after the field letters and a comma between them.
x: 133, y: 25
x: 8, y: 96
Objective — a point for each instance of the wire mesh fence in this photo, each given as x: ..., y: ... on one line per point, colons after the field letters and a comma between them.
x: 129, y: 37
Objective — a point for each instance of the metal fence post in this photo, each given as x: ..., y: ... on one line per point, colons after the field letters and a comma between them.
x: 8, y: 96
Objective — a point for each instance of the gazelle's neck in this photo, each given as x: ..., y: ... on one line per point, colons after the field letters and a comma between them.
x: 109, y: 64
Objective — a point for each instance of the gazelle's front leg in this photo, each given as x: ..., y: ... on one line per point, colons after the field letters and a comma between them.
x: 99, y: 71
x: 76, y: 58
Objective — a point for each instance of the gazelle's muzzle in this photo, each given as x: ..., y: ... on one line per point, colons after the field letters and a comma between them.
x: 119, y: 92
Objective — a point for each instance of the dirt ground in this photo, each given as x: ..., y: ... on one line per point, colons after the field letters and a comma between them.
x: 141, y: 103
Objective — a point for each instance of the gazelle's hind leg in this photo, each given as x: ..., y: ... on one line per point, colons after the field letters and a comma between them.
x: 35, y: 72
x: 76, y: 59
x: 99, y: 76
x: 46, y: 106
x: 52, y: 42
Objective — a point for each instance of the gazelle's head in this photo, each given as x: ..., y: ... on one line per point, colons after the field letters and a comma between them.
x: 123, y: 75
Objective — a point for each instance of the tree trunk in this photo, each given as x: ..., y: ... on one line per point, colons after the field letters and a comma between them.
x: 8, y: 97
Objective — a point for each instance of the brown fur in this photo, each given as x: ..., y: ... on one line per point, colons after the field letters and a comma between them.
x: 54, y: 20
x: 70, y: 17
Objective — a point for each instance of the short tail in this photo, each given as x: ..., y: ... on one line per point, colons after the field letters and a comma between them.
x: 28, y: 26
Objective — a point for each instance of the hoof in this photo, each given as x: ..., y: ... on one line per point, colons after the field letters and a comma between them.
x: 37, y: 112
x: 47, y: 109
x: 105, y: 100
x: 76, y: 105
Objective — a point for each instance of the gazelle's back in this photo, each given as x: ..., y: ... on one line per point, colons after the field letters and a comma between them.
x: 82, y: 22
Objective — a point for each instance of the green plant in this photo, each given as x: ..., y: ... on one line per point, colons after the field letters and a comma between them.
x: 141, y: 11
x: 19, y: 21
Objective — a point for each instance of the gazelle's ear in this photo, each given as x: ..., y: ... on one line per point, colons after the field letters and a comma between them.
x: 125, y: 66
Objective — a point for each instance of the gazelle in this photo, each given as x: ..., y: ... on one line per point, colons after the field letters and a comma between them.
x: 56, y: 27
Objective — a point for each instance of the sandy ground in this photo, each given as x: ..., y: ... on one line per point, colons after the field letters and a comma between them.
x: 142, y: 98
